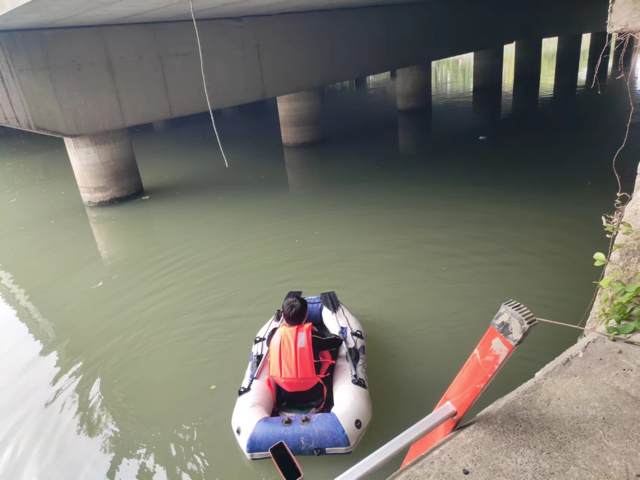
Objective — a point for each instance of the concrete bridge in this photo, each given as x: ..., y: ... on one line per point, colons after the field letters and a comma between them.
x: 86, y: 71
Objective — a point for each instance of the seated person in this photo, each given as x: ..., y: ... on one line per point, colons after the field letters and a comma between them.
x: 299, y: 358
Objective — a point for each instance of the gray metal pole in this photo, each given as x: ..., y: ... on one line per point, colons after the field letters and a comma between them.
x: 395, y: 445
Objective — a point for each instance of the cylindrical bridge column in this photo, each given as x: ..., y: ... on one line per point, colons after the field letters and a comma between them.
x: 413, y: 87
x: 598, y: 64
x: 526, y: 81
x: 567, y: 64
x: 360, y: 83
x: 623, y: 54
x: 300, y: 117
x: 487, y: 83
x: 104, y: 166
x: 487, y: 70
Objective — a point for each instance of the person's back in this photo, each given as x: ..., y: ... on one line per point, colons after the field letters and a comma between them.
x: 298, y: 359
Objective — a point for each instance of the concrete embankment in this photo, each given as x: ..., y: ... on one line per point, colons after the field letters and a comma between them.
x: 578, y: 418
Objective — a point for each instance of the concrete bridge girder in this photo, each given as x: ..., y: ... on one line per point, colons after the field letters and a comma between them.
x: 85, y: 80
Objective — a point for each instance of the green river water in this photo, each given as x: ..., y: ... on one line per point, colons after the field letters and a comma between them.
x: 125, y: 330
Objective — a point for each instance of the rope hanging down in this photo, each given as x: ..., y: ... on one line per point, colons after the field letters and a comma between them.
x: 204, y: 83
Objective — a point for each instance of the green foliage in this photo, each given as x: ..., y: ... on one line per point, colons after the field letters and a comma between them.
x: 612, y: 225
x: 621, y: 297
x: 599, y: 259
x: 620, y: 306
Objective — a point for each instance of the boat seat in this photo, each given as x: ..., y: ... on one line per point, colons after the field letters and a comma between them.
x: 314, y: 310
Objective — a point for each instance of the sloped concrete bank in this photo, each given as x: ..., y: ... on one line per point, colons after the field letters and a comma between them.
x: 578, y: 418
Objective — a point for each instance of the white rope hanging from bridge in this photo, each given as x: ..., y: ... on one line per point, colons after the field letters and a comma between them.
x: 204, y: 83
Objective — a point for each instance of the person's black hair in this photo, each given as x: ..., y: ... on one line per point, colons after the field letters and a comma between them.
x: 294, y: 310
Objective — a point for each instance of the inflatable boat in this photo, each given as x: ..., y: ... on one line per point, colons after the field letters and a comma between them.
x: 258, y: 421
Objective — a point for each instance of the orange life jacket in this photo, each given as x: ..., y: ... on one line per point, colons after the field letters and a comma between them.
x: 291, y: 362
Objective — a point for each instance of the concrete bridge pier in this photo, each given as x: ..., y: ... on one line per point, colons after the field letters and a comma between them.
x: 526, y: 81
x: 598, y: 53
x: 567, y: 64
x: 300, y: 117
x: 104, y: 166
x: 360, y: 83
x: 622, y: 56
x: 413, y: 87
x: 487, y: 83
x: 487, y: 70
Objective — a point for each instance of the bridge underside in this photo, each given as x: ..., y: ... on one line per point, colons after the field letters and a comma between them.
x: 29, y: 14
x: 80, y: 81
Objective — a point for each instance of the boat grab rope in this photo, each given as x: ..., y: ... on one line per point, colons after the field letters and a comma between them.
x: 352, y: 361
x: 257, y: 367
x: 353, y: 339
x: 204, y: 83
x: 591, y: 330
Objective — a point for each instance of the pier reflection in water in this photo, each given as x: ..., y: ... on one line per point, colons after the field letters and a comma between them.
x: 125, y: 329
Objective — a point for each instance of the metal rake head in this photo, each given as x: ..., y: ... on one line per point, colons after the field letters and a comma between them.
x: 513, y: 321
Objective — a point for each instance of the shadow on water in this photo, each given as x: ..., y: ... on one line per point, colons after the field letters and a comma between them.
x: 126, y: 328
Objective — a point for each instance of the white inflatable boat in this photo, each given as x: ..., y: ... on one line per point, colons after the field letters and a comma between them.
x: 258, y: 422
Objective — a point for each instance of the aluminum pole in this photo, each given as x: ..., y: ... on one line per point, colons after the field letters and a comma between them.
x: 381, y: 456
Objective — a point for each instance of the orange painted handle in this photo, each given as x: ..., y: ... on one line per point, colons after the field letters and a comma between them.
x: 485, y: 361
